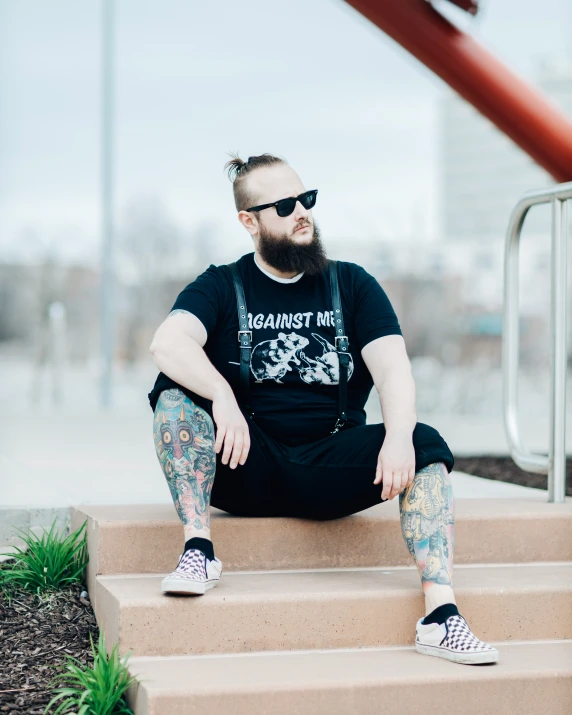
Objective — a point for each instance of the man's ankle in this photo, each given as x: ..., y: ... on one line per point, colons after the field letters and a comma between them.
x: 202, y: 544
x: 191, y: 533
x: 437, y: 595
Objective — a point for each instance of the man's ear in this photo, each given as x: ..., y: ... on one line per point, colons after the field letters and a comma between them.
x: 248, y: 221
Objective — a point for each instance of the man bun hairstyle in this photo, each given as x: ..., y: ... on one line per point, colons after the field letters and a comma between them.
x: 238, y: 171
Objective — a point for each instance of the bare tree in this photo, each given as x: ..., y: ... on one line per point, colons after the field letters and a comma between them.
x: 149, y: 251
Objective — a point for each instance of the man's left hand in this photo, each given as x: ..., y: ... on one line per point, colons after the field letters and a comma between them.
x: 395, y: 465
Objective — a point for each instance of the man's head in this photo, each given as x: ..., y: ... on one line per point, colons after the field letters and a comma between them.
x: 290, y: 244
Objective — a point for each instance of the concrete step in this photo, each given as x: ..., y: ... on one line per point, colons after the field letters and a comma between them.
x: 530, y: 678
x: 341, y: 608
x: 149, y: 538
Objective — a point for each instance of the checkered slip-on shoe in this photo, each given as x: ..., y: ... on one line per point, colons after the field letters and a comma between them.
x: 195, y: 574
x: 453, y: 640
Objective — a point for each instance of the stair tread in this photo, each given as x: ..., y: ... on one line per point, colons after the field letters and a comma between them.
x: 359, y: 583
x: 147, y: 538
x: 269, y: 671
x: 483, y: 508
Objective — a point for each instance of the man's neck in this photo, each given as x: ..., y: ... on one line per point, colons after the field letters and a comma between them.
x: 270, y: 269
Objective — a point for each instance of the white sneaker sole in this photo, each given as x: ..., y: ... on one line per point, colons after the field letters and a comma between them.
x: 477, y: 658
x: 184, y: 586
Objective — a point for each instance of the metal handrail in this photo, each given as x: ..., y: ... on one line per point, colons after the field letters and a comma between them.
x: 553, y: 464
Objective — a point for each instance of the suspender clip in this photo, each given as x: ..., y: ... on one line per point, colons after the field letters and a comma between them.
x: 339, y: 424
x: 344, y: 340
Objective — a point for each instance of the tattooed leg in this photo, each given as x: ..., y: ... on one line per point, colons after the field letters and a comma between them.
x: 427, y: 524
x: 184, y: 442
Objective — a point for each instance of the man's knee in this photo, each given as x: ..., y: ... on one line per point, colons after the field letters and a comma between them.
x: 430, y: 447
x: 178, y: 422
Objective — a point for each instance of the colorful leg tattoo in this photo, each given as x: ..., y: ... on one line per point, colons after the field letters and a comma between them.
x: 184, y: 442
x: 427, y: 523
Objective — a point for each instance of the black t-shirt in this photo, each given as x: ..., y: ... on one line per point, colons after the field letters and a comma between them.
x: 294, y: 367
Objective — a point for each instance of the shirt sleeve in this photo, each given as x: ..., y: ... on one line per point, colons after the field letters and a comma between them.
x: 202, y: 298
x: 374, y: 314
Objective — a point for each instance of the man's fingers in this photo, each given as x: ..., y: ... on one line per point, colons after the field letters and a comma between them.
x: 396, y: 487
x: 237, y: 449
x: 377, y: 479
x: 219, y: 439
x: 393, y: 482
x: 245, y: 449
x: 396, y: 484
x: 387, y: 484
x: 399, y: 484
x: 410, y: 478
x: 228, y: 444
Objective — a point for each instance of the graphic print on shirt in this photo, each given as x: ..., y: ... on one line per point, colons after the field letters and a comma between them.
x: 270, y: 360
x: 325, y: 368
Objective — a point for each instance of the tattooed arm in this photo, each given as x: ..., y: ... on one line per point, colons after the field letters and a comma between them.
x: 178, y: 353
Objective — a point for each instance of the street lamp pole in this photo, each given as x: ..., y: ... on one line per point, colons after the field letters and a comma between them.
x: 107, y: 284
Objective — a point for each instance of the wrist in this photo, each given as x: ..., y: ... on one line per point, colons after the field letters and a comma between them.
x: 221, y: 389
x: 401, y: 429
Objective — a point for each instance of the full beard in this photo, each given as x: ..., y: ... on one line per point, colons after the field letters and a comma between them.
x: 286, y: 255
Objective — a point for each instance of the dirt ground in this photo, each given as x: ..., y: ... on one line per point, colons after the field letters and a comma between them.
x: 504, y: 469
x: 35, y: 635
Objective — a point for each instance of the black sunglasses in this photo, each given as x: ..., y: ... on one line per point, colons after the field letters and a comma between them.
x: 285, y: 207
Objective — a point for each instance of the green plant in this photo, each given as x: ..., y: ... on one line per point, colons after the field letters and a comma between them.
x: 47, y: 562
x: 95, y: 690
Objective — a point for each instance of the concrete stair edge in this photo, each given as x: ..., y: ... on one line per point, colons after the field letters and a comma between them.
x: 329, y: 609
x: 148, y: 538
x: 529, y: 678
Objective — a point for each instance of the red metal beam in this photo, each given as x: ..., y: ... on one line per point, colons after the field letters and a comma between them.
x: 471, y: 6
x: 517, y: 108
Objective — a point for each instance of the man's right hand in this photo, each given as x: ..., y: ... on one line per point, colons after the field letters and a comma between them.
x: 231, y: 428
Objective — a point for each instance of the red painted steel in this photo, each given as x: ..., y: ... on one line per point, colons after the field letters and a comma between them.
x: 471, y: 6
x: 517, y: 108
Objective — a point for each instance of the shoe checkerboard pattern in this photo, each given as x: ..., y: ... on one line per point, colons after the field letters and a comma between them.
x: 192, y: 564
x: 454, y: 641
x: 195, y: 573
x: 460, y: 637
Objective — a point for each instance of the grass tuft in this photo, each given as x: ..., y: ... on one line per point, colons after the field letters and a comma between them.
x: 47, y: 562
x: 95, y: 690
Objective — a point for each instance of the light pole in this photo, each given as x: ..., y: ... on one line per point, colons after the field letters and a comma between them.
x: 107, y: 284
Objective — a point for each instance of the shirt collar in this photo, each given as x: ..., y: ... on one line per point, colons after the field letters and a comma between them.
x: 276, y: 278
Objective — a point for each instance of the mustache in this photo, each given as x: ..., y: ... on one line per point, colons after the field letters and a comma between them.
x: 290, y: 256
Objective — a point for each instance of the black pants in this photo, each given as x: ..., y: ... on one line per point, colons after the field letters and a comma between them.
x: 327, y: 479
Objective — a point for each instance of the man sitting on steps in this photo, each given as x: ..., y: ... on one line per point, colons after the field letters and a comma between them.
x: 259, y: 412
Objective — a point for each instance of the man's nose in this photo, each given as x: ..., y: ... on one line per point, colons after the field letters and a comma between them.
x: 300, y: 212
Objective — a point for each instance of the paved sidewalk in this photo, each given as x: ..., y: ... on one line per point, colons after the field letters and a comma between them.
x: 97, y: 457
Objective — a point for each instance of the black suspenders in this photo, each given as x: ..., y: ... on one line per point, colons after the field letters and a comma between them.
x: 340, y: 340
x: 245, y: 340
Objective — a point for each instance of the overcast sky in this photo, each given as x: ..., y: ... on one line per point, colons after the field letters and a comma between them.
x: 314, y: 82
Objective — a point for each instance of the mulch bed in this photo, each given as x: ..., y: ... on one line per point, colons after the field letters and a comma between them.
x: 503, y: 469
x: 36, y: 633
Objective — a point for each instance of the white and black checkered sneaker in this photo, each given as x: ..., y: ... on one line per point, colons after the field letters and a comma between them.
x: 195, y: 574
x: 453, y: 640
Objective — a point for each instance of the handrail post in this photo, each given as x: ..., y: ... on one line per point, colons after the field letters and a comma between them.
x: 559, y: 354
x: 553, y: 464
